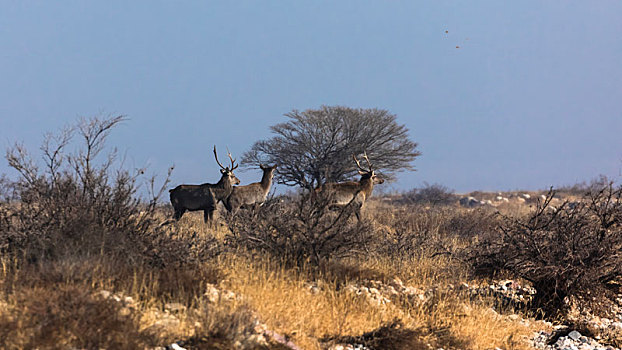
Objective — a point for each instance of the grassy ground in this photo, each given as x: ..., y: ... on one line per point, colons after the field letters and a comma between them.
x: 92, y: 302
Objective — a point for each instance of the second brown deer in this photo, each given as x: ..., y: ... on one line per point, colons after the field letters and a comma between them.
x: 205, y: 196
x: 352, y: 192
x: 251, y: 195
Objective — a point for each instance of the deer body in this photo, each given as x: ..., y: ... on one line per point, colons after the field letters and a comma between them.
x: 205, y: 196
x: 352, y: 192
x: 251, y: 194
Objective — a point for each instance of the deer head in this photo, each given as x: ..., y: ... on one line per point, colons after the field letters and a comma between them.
x: 367, y: 173
x: 227, y: 173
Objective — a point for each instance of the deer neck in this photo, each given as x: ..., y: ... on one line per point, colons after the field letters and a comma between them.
x: 223, y: 188
x: 266, y: 180
x: 367, y: 186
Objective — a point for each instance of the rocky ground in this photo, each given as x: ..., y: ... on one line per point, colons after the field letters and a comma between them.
x: 507, y: 292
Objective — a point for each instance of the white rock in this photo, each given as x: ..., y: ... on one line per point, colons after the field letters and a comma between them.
x: 212, y: 293
x: 174, y: 346
x: 574, y: 335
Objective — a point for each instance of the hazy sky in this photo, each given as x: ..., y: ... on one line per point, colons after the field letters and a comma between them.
x: 531, y: 98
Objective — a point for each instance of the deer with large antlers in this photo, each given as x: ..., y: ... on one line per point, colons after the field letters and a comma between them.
x: 252, y: 194
x: 352, y: 192
x: 205, y: 196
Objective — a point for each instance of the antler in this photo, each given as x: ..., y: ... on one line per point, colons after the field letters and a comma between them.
x: 371, y: 167
x: 233, y: 167
x: 216, y: 156
x: 361, y: 170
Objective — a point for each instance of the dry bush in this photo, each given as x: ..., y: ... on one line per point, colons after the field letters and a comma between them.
x: 470, y: 223
x: 69, y: 317
x: 414, y: 230
x: 300, y: 231
x: 434, y: 194
x: 581, y: 188
x: 83, y: 203
x: 564, y: 252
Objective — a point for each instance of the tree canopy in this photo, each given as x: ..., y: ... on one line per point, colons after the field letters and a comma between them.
x: 315, y: 146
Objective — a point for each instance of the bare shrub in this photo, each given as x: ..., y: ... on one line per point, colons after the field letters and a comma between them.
x: 471, y: 223
x: 434, y: 194
x: 415, y: 231
x: 583, y: 187
x: 409, y: 231
x: 301, y: 230
x: 565, y: 252
x: 84, y: 203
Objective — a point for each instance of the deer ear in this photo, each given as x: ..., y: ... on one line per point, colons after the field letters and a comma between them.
x: 262, y: 166
x: 222, y: 171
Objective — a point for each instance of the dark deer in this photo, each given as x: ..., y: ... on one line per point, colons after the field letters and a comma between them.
x: 252, y: 194
x: 352, y: 192
x: 205, y: 196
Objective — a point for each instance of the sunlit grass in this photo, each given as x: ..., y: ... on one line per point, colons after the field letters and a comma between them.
x: 266, y: 291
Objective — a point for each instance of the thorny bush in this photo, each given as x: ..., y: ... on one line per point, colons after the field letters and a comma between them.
x: 82, y: 203
x: 565, y: 252
x: 429, y: 194
x: 302, y: 230
x: 416, y: 231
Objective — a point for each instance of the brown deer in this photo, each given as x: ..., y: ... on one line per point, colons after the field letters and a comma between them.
x: 253, y: 194
x: 205, y: 196
x: 352, y: 192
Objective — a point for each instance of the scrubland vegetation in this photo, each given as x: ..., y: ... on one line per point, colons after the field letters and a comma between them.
x: 86, y: 264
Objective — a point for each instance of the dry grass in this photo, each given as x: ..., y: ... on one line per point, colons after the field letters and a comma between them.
x: 286, y: 304
x: 279, y: 297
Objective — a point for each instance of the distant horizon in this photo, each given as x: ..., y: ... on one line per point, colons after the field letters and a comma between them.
x: 499, y: 96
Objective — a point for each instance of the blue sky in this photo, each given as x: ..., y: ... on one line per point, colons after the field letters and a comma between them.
x: 531, y: 98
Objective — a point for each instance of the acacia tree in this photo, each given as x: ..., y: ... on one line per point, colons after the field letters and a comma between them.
x: 315, y: 146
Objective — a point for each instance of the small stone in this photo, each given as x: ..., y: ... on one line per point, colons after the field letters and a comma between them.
x: 212, y: 293
x: 174, y: 346
x: 228, y: 295
x: 574, y: 335
x: 616, y: 325
x: 174, y: 307
x: 392, y: 290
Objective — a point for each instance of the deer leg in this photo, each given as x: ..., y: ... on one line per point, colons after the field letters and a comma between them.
x: 178, y: 213
x: 227, y: 204
x: 255, y: 206
x: 208, y: 215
